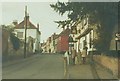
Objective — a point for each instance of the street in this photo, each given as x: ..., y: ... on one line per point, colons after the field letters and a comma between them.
x: 38, y: 67
x: 51, y: 66
x: 41, y: 41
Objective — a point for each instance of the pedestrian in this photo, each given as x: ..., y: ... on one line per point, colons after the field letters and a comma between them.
x: 79, y: 56
x: 49, y: 50
x: 66, y: 57
x: 73, y: 55
x: 84, y: 54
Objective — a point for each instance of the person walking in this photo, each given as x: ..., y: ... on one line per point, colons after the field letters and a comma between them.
x: 66, y: 57
x: 79, y: 57
x: 73, y: 55
x: 84, y: 54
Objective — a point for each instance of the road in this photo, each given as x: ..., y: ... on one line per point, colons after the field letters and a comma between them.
x: 51, y: 66
x: 38, y: 67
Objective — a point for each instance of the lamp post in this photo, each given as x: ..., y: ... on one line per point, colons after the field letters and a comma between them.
x: 117, y: 39
x: 25, y: 31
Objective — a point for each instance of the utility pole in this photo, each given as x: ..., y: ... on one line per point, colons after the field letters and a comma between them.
x: 25, y: 31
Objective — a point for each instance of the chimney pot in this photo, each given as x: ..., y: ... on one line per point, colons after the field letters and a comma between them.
x: 38, y: 26
x: 15, y: 22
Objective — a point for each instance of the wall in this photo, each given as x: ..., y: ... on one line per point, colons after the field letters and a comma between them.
x: 62, y: 44
x: 30, y: 32
x: 33, y: 33
x: 5, y: 36
x: 7, y: 48
x: 110, y: 63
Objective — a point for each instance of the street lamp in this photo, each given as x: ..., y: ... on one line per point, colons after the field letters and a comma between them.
x: 117, y: 39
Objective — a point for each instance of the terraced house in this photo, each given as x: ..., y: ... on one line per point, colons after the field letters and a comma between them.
x: 85, y: 34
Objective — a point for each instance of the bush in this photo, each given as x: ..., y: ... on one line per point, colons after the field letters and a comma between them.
x: 15, y: 41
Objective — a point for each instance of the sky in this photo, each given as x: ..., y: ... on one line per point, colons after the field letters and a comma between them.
x: 39, y: 12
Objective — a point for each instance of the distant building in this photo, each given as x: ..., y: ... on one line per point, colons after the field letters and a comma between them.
x: 57, y: 43
x: 32, y: 33
x: 48, y: 49
x: 43, y: 47
x: 63, y: 41
x: 53, y: 44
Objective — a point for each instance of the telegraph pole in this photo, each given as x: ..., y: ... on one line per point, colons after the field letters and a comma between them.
x: 25, y: 31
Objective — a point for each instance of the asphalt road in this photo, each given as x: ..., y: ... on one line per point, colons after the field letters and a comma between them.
x: 37, y: 67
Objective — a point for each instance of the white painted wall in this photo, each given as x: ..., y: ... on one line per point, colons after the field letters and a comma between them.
x: 30, y: 32
x: 33, y: 33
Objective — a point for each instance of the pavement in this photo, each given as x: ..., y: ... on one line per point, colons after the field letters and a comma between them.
x: 104, y: 73
x: 88, y: 71
x: 80, y: 72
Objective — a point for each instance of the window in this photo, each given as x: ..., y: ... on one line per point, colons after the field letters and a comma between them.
x: 82, y: 24
x: 20, y: 34
x: 85, y: 21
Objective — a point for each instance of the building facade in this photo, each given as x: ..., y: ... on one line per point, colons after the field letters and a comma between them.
x: 63, y: 41
x: 53, y: 43
x: 85, y: 35
x: 31, y: 32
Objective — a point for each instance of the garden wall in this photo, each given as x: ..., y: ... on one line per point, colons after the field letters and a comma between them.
x: 110, y: 63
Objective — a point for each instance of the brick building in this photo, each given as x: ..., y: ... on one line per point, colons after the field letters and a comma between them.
x: 63, y: 41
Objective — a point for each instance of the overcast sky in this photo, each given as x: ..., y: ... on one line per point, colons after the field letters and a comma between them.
x: 40, y: 12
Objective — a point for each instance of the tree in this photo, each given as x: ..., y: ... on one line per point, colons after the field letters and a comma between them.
x: 103, y: 13
x: 14, y: 40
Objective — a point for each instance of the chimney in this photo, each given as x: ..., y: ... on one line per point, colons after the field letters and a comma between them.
x: 28, y: 16
x: 15, y: 22
x: 38, y: 26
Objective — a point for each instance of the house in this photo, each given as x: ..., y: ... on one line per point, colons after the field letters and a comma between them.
x: 32, y: 32
x: 44, y: 48
x: 53, y: 43
x: 50, y: 46
x: 48, y: 49
x: 85, y: 35
x: 63, y: 41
